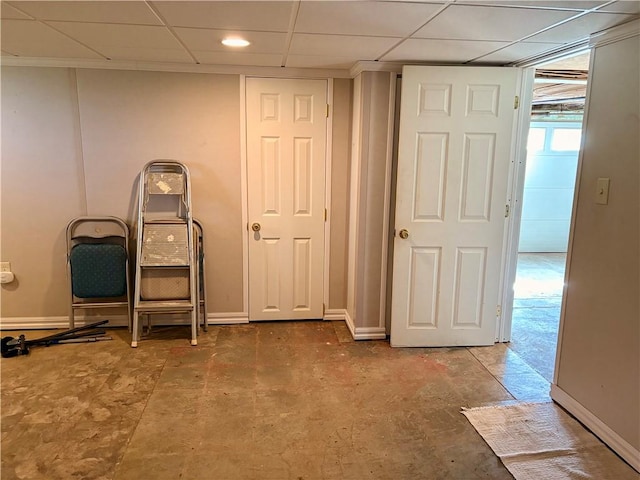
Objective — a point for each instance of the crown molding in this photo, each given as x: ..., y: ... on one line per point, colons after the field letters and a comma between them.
x: 369, y: 66
x: 281, y: 72
x: 615, y: 34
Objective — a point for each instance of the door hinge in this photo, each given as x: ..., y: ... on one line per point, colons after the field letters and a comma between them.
x: 499, y: 311
x: 327, y: 110
x: 325, y: 214
x: 324, y: 309
x: 516, y: 102
x: 506, y: 211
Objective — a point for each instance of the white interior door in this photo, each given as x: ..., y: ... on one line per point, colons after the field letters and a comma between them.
x: 286, y: 144
x: 454, y: 157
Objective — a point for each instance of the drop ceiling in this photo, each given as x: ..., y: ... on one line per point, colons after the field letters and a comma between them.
x: 303, y: 34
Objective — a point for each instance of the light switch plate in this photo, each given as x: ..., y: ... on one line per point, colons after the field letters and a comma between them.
x: 602, y: 191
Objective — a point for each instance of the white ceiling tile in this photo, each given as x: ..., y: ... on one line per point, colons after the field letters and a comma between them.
x: 381, y: 19
x: 580, y: 28
x: 225, y: 58
x: 209, y: 40
x: 267, y: 16
x: 454, y: 51
x: 148, y: 54
x: 489, y: 23
x: 623, y: 6
x: 132, y: 12
x: 518, y: 51
x: 360, y: 48
x: 9, y: 12
x: 124, y: 42
x: 99, y: 36
x: 575, y: 5
x: 307, y: 61
x: 30, y: 38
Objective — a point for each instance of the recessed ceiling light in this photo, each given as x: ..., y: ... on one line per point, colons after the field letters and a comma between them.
x: 235, y: 42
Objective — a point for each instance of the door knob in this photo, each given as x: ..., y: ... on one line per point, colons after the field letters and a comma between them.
x: 255, y: 227
x: 404, y: 234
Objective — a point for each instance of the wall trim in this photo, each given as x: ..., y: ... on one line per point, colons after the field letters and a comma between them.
x: 515, y: 193
x: 615, y: 34
x: 244, y: 193
x: 46, y: 323
x: 371, y: 66
x: 228, y: 318
x: 597, y: 427
x: 364, y: 333
x: 327, y: 193
x: 386, y: 214
x: 275, y: 72
x: 335, y: 314
x: 54, y: 322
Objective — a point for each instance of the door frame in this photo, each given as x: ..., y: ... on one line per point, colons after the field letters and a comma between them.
x: 245, y: 194
x: 516, y: 192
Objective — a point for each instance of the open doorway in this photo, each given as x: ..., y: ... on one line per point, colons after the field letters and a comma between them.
x: 552, y: 157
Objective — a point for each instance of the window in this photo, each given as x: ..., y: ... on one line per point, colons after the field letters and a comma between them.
x: 535, y: 141
x: 566, y: 139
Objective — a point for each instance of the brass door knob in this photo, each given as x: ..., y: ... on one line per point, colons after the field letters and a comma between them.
x: 404, y: 234
x: 255, y: 227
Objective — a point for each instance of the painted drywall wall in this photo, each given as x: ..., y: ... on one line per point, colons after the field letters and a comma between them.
x: 74, y: 142
x: 373, y: 103
x: 599, y: 349
x: 338, y: 209
x: 42, y: 187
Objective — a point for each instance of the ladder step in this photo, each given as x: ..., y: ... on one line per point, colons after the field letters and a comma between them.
x: 165, y: 245
x: 165, y: 221
x: 166, y: 183
x: 164, y: 306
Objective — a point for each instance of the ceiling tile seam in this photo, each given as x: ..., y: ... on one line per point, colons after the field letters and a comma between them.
x: 564, y: 50
x: 21, y: 11
x: 171, y: 31
x: 355, y: 35
x: 526, y: 7
x: 557, y: 24
x: 431, y: 17
x: 74, y: 39
x: 295, y: 9
x: 42, y: 22
x: 230, y: 29
x: 85, y: 22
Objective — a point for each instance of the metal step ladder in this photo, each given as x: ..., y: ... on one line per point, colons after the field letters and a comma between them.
x: 166, y: 280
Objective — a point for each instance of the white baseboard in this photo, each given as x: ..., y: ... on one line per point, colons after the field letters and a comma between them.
x: 229, y: 318
x: 335, y: 314
x: 597, y: 426
x: 46, y: 323
x: 50, y: 323
x: 364, y: 333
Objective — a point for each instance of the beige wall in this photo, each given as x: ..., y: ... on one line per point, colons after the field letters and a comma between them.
x: 599, y: 349
x: 74, y: 142
x: 372, y: 129
x: 42, y: 187
x: 339, y: 206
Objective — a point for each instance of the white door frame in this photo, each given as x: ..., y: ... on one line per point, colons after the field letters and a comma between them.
x: 245, y: 197
x: 516, y: 193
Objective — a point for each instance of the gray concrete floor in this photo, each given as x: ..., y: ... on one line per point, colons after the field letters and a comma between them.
x: 536, y: 309
x: 260, y: 401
